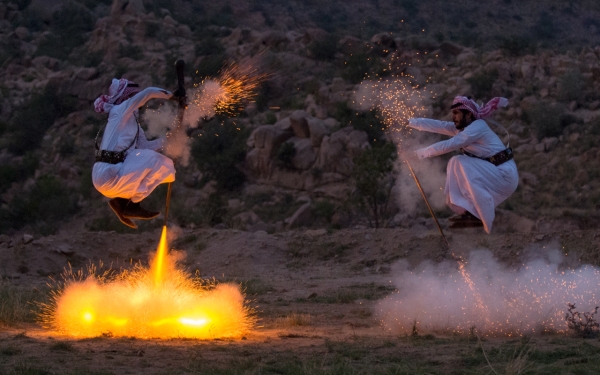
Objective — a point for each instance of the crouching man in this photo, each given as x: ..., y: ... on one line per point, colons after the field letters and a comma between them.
x: 485, y: 174
x: 129, y: 167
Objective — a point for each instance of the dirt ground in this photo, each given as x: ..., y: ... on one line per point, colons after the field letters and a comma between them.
x: 314, y: 293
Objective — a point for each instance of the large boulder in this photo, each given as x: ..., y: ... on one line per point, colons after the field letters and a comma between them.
x: 305, y: 155
x: 299, y: 124
x: 264, y: 142
x: 317, y: 131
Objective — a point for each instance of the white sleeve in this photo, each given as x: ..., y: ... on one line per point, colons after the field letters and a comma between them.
x: 144, y: 143
x: 469, y: 135
x: 433, y: 126
x: 142, y: 98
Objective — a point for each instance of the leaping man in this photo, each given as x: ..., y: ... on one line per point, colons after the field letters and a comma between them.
x: 129, y: 167
x: 485, y: 174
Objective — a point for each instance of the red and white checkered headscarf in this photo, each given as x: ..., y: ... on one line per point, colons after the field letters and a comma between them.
x: 119, y: 91
x: 477, y: 111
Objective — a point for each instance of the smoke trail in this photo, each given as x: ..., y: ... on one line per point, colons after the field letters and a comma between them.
x: 531, y: 299
x: 397, y: 100
x: 203, y: 100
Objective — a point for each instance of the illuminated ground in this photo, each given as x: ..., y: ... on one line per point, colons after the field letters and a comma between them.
x: 315, y: 295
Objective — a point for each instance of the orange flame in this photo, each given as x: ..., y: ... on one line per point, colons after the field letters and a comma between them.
x: 160, y: 302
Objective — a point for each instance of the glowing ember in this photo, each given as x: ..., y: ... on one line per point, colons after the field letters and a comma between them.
x: 160, y: 302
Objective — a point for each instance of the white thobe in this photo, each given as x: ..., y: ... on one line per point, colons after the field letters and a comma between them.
x: 144, y: 168
x: 472, y: 184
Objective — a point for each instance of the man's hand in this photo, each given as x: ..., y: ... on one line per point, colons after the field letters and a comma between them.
x: 178, y: 94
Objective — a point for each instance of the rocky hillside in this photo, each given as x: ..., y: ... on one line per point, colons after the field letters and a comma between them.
x: 297, y: 158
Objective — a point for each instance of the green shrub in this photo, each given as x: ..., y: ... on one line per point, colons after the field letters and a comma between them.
x: 324, y: 49
x: 210, y: 65
x: 209, y: 46
x: 324, y: 209
x: 571, y: 86
x: 10, y: 48
x: 30, y: 122
x: 360, y: 66
x: 285, y: 155
x: 43, y: 207
x: 548, y: 120
x: 68, y: 28
x: 372, y: 183
x: 224, y: 17
x: 17, y: 304
x: 218, y: 150
x: 545, y: 27
x: 411, y: 7
x: 516, y: 45
x: 482, y: 83
x: 270, y: 118
x: 18, y: 172
x: 369, y: 122
x: 132, y: 51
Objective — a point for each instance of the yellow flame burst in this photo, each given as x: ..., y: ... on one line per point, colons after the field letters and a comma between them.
x: 158, y: 302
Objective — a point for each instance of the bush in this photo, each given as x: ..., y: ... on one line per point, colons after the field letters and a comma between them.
x: 324, y: 49
x: 285, y: 155
x: 324, y: 209
x: 360, y: 66
x: 482, y: 83
x: 218, y: 151
x: 224, y: 17
x: 19, y: 172
x: 517, y: 46
x: 548, y: 120
x: 68, y: 27
x: 209, y: 46
x: 545, y: 28
x: 43, y: 207
x: 369, y: 122
x: 210, y: 65
x: 373, y: 184
x: 571, y: 86
x: 132, y: 51
x: 582, y: 324
x: 30, y: 123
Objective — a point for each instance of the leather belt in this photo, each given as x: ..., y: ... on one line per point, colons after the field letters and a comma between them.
x: 500, y: 158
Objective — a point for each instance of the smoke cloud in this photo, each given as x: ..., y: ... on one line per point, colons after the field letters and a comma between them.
x: 164, y: 120
x: 397, y: 100
x: 498, y: 301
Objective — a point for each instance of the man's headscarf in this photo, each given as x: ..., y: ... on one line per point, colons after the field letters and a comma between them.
x: 119, y: 91
x: 462, y: 102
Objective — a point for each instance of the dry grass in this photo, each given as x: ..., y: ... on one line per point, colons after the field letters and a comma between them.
x: 294, y: 320
x: 18, y: 305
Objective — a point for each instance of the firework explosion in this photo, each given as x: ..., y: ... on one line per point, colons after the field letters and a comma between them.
x: 157, y: 302
x: 226, y: 94
x: 485, y: 295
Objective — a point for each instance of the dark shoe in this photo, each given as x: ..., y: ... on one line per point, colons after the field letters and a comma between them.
x: 135, y: 211
x: 467, y: 216
x: 117, y: 205
x: 466, y: 224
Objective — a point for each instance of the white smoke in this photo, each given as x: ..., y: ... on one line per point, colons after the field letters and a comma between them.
x: 396, y: 100
x: 500, y: 301
x: 202, y: 102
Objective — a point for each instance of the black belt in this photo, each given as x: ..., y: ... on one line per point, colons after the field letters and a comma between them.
x: 500, y: 158
x: 111, y: 157
x: 114, y: 157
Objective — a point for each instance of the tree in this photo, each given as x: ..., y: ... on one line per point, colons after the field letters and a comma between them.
x: 373, y: 181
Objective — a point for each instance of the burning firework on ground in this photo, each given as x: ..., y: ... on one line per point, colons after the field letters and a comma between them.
x: 157, y: 302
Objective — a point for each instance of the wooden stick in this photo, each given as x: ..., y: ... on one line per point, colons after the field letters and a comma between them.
x: 427, y: 203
